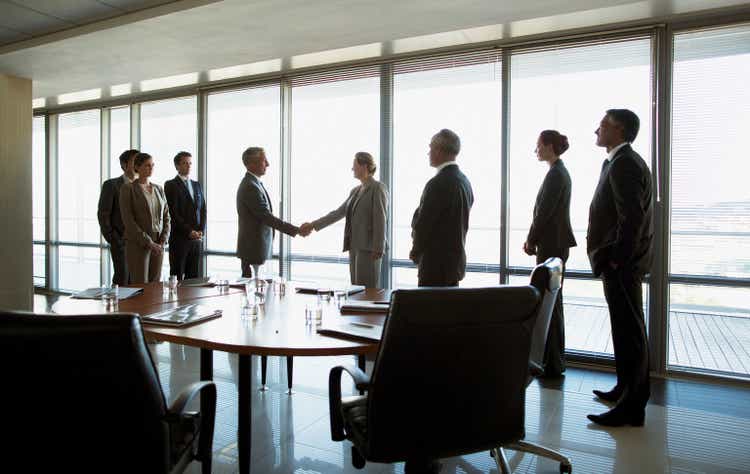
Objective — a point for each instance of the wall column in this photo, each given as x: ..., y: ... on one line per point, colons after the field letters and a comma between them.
x: 16, y: 261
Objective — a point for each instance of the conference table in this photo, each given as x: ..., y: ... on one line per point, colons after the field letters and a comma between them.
x: 279, y: 330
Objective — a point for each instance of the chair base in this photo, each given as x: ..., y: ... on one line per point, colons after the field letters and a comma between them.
x: 566, y: 466
x: 501, y: 460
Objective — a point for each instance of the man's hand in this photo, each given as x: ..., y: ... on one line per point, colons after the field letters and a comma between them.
x: 194, y: 235
x: 414, y: 257
x: 305, y: 229
x: 613, y: 265
x: 529, y: 249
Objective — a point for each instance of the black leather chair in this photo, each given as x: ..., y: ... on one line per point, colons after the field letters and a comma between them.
x: 82, y: 394
x: 547, y: 278
x: 449, y: 378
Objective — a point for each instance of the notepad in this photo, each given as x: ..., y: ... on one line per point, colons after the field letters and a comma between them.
x: 182, y: 315
x: 353, y: 330
x: 98, y: 293
x: 205, y: 281
x: 312, y: 289
x: 380, y: 307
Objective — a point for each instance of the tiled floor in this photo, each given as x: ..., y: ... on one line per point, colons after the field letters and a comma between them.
x: 691, y: 427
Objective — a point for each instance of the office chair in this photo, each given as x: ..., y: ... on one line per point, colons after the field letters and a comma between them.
x: 82, y: 394
x: 546, y: 278
x: 449, y: 378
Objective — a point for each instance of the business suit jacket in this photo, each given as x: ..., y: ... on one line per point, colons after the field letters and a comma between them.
x: 621, y: 228
x: 187, y: 214
x: 366, y: 217
x: 550, y: 229
x: 257, y: 222
x: 108, y: 212
x: 439, y: 226
x: 136, y: 214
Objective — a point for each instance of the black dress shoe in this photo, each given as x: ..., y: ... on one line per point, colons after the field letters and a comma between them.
x: 611, y: 396
x: 619, y: 416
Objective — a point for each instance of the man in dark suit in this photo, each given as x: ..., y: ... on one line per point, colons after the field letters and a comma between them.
x: 255, y: 212
x: 187, y: 209
x: 440, y: 223
x: 619, y: 245
x: 551, y: 235
x: 110, y: 220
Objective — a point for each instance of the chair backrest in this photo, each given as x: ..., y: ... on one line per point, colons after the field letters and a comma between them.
x: 547, y: 278
x: 81, y: 391
x: 450, y: 374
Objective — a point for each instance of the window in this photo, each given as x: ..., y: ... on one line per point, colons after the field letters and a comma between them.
x: 78, y: 176
x: 39, y: 197
x: 570, y: 90
x: 331, y: 121
x: 237, y: 120
x: 462, y: 94
x: 119, y: 138
x: 710, y: 205
x: 167, y: 127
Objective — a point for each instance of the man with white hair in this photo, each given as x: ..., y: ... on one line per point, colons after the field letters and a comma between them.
x: 441, y: 221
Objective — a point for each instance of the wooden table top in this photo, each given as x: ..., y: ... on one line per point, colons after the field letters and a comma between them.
x: 279, y: 330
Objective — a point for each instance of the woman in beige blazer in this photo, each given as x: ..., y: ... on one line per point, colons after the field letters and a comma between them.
x: 145, y: 215
x: 365, y: 210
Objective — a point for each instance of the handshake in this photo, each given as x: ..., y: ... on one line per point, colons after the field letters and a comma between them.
x: 305, y: 229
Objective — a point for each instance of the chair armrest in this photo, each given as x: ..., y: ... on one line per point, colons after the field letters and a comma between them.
x: 207, y: 416
x: 361, y: 381
x: 535, y: 370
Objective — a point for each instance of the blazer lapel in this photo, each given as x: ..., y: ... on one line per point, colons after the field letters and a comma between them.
x: 142, y: 195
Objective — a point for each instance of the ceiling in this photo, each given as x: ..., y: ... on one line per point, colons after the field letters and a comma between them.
x: 89, y: 46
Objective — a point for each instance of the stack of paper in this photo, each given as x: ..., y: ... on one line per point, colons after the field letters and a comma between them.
x: 353, y: 330
x: 365, y: 307
x: 98, y: 293
x: 182, y: 315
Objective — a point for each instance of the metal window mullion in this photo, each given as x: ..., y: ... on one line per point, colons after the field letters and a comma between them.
x: 285, y: 206
x: 51, y: 231
x: 105, y: 131
x: 386, y: 164
x: 135, y: 126
x: 504, y: 166
x: 658, y: 308
x: 202, y: 159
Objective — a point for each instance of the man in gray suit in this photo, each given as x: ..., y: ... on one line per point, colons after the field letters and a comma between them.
x: 255, y: 212
x: 110, y: 220
x: 441, y: 221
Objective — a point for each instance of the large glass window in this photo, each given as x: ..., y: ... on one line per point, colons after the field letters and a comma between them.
x: 331, y: 121
x: 570, y: 90
x: 710, y: 206
x: 168, y: 127
x: 39, y: 197
x: 79, y: 267
x: 78, y: 176
x: 463, y: 95
x: 119, y: 138
x: 238, y: 120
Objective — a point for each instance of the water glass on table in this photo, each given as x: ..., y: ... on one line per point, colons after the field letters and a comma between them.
x: 324, y: 295
x: 340, y: 296
x: 110, y: 296
x: 313, y: 314
x: 261, y: 287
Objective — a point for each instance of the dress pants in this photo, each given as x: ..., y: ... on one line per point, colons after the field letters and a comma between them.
x: 184, y: 258
x: 438, y: 270
x: 144, y: 267
x: 363, y: 269
x: 554, y: 351
x: 624, y: 295
x: 119, y: 263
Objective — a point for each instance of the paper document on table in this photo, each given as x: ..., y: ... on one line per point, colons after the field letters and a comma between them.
x: 380, y: 307
x: 312, y: 289
x: 97, y: 293
x: 182, y: 315
x: 205, y: 281
x: 353, y: 330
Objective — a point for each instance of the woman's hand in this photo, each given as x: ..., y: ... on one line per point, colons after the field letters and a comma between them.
x: 156, y: 249
x: 377, y: 255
